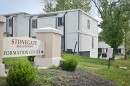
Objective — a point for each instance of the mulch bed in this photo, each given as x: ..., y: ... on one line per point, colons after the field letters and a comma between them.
x: 79, y: 77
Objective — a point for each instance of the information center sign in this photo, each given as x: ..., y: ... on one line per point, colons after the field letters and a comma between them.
x: 22, y: 46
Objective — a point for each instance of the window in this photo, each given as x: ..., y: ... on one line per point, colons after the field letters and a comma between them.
x: 34, y: 23
x: 118, y: 50
x: 60, y: 21
x: 100, y: 50
x: 10, y: 23
x: 92, y: 42
x: 106, y: 49
x: 88, y: 24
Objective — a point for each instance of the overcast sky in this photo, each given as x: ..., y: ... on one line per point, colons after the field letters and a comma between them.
x: 13, y: 6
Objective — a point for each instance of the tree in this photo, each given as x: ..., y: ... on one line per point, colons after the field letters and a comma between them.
x: 126, y: 26
x: 114, y: 20
x: 128, y: 43
x: 58, y: 5
x: 126, y: 39
x: 100, y: 38
x: 48, y: 5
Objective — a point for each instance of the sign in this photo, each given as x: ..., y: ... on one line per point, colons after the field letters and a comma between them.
x: 22, y: 46
x: 110, y: 52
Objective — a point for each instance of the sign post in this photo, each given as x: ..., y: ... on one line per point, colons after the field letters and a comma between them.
x: 109, y: 55
x: 2, y: 66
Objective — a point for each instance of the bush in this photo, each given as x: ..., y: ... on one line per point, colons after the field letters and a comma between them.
x: 69, y: 64
x: 31, y: 58
x: 21, y: 74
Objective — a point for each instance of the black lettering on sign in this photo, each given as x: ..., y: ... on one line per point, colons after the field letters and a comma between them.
x: 12, y: 41
x: 14, y: 52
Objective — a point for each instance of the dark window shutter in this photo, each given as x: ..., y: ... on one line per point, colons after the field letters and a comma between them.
x: 60, y: 21
x: 10, y: 23
x: 34, y: 23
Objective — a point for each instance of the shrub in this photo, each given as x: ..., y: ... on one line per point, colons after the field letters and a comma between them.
x: 21, y: 74
x: 31, y: 58
x: 69, y: 64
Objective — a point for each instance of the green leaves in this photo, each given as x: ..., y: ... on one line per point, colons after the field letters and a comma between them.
x: 69, y: 64
x: 21, y: 74
x: 59, y: 5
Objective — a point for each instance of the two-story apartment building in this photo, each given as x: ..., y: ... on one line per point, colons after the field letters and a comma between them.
x: 102, y: 48
x: 80, y: 31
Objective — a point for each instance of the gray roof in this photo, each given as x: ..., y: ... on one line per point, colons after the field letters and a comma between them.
x: 49, y: 13
x: 16, y: 14
x: 57, y: 12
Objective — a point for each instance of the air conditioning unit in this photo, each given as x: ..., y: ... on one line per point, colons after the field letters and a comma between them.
x: 69, y: 51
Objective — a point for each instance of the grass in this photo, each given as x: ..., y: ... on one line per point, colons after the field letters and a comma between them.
x: 12, y: 60
x: 120, y: 77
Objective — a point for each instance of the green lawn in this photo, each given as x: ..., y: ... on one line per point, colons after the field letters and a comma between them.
x: 119, y: 76
x: 12, y: 60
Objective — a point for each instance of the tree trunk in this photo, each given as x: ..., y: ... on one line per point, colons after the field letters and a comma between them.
x: 114, y: 51
x: 125, y: 56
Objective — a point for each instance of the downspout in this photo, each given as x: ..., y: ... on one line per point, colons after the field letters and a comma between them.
x: 12, y: 26
x: 30, y: 26
x: 7, y: 26
x: 56, y: 24
x: 78, y: 28
x: 64, y: 30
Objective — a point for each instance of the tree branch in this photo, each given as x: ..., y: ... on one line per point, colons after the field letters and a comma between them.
x: 98, y: 8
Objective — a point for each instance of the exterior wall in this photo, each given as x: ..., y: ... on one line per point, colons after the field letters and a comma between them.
x: 32, y: 30
x: 47, y: 22
x: 93, y: 25
x: 87, y: 34
x: 71, y: 30
x: 4, y: 28
x: 122, y: 49
x: 8, y: 29
x: 20, y: 25
x: 43, y: 22
x: 71, y: 27
x: 103, y: 45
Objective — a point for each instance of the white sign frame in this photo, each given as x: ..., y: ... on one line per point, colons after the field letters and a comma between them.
x: 110, y: 52
x: 22, y: 46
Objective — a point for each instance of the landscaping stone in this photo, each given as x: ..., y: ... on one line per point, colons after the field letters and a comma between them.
x: 92, y: 68
x: 123, y: 68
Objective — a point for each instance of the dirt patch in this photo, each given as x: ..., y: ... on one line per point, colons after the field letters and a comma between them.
x: 128, y: 70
